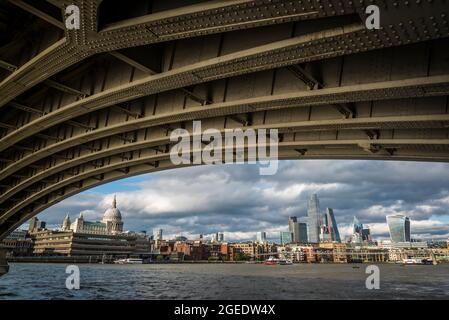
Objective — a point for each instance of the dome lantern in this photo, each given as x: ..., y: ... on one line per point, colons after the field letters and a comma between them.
x: 113, y: 214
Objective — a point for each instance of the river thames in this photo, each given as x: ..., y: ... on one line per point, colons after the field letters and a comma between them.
x: 224, y: 281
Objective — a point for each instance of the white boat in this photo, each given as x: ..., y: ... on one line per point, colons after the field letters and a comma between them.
x: 129, y: 261
x: 275, y: 261
x: 417, y: 261
x: 285, y: 262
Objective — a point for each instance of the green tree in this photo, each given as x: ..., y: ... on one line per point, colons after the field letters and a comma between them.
x: 240, y: 257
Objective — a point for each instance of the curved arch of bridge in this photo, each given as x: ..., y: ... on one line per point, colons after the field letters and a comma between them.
x: 86, y: 107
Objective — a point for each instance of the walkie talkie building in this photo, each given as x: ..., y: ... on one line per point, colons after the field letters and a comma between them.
x: 399, y: 226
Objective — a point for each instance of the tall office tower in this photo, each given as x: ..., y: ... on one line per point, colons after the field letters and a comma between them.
x: 33, y: 224
x: 357, y: 230
x: 399, y: 226
x: 261, y: 237
x: 313, y: 213
x: 332, y: 225
x: 286, y: 237
x: 157, y: 234
x: 218, y: 237
x: 293, y: 227
x: 325, y: 232
x: 360, y: 233
x: 303, y: 238
x: 328, y: 227
x: 36, y: 224
x: 366, y: 234
x: 66, y: 223
x: 357, y: 226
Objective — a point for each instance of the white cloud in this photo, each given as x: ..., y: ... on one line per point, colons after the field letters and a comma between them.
x: 235, y: 199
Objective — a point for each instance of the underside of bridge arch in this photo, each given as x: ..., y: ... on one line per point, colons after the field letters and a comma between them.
x: 84, y: 107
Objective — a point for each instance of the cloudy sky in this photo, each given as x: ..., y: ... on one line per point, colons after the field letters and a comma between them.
x: 235, y: 199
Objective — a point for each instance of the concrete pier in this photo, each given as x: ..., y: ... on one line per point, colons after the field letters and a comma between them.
x: 4, y: 268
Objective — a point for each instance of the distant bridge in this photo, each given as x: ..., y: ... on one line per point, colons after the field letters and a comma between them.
x: 80, y: 108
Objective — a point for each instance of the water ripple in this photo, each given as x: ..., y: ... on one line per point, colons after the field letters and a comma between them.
x: 242, y: 281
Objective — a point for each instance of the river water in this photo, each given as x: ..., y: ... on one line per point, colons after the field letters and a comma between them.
x: 224, y: 281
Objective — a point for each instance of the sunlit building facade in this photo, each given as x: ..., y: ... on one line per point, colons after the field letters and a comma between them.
x: 69, y: 243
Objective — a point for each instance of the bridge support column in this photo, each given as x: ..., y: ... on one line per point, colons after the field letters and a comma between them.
x: 4, y: 268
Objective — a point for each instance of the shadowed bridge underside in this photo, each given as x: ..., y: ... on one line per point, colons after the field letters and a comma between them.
x: 84, y: 107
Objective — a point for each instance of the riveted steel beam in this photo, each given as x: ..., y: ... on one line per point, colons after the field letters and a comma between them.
x: 436, y: 121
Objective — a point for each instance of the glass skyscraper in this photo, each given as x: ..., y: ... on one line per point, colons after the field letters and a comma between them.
x: 357, y: 227
x: 293, y: 227
x: 360, y: 233
x: 298, y: 230
x: 399, y: 226
x: 328, y: 227
x: 218, y: 237
x: 157, y: 233
x: 286, y: 237
x: 303, y: 238
x: 261, y: 237
x: 313, y: 213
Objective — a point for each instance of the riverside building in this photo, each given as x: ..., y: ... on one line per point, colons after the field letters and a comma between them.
x: 110, y: 224
x: 91, y: 238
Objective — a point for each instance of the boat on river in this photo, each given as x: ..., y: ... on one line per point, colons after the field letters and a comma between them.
x: 275, y: 261
x: 129, y: 261
x: 417, y: 261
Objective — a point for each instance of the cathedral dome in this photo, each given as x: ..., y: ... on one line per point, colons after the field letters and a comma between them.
x: 112, y: 214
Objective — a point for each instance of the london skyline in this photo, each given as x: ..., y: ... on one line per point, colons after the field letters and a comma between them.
x: 145, y: 147
x: 255, y: 203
